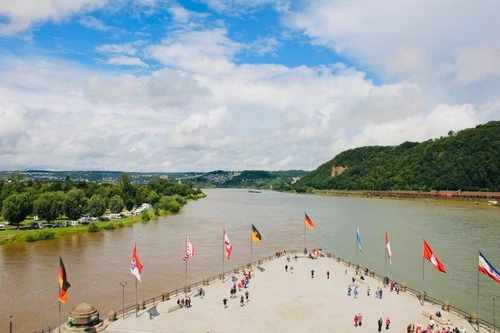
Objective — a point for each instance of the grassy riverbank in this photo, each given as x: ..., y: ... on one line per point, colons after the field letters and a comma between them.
x: 29, y: 235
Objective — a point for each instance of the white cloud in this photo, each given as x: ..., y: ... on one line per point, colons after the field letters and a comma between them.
x: 477, y: 62
x: 129, y: 49
x: 426, y: 42
x: 126, y: 61
x: 206, y: 51
x: 23, y: 14
x: 91, y: 22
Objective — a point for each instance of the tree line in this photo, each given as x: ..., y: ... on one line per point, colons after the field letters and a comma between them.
x: 21, y: 197
x: 467, y: 160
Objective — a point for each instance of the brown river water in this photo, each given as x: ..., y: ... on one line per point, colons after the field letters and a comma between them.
x: 97, y: 263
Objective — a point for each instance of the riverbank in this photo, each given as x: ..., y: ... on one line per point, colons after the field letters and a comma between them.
x: 29, y: 235
x: 296, y: 295
x: 446, y: 197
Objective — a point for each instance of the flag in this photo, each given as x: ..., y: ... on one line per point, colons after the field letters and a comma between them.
x: 429, y: 255
x: 63, y: 282
x: 189, y: 249
x: 310, y: 224
x: 487, y: 269
x: 388, y: 247
x: 256, y: 237
x: 358, y: 238
x: 227, y: 246
x: 135, y: 265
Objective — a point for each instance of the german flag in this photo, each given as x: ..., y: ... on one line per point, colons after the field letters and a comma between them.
x: 309, y: 222
x: 256, y: 237
x: 63, y: 282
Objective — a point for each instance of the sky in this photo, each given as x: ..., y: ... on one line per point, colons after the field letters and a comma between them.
x: 203, y: 85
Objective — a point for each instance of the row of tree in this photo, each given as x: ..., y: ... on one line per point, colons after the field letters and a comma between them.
x: 21, y: 197
x: 466, y: 160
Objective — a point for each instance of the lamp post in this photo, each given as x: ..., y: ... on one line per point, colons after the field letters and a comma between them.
x: 494, y: 297
x: 123, y: 284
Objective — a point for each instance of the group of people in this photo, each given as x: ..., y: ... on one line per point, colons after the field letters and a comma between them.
x: 380, y: 322
x: 242, y: 283
x: 432, y: 328
x: 184, y: 302
x: 358, y: 320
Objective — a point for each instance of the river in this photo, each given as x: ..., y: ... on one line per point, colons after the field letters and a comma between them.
x: 96, y: 263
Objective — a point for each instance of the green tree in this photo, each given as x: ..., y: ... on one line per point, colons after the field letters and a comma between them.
x: 49, y: 205
x: 75, y: 204
x: 116, y: 204
x: 96, y: 206
x: 16, y: 208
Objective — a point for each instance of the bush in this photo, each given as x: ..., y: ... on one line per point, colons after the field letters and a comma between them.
x: 121, y: 224
x: 31, y: 237
x: 110, y: 226
x: 46, y: 235
x: 93, y: 227
x: 145, y: 216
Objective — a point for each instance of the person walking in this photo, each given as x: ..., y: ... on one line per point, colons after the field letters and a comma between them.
x: 286, y: 268
x: 312, y: 273
x: 380, y: 322
x: 247, y: 295
x: 360, y: 319
x: 242, y: 300
x: 387, y: 323
x: 356, y: 320
x: 224, y: 301
x: 327, y: 274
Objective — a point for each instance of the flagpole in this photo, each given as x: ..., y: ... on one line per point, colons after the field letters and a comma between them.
x: 251, y: 250
x: 223, y: 245
x: 423, y: 280
x: 136, y: 301
x: 59, y: 326
x: 478, y: 294
x: 357, y: 247
x: 185, y: 284
x: 304, y: 235
x: 385, y: 257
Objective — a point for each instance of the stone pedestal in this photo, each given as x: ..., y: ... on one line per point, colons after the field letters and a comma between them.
x: 473, y: 318
x: 111, y: 315
x: 404, y: 286
x: 165, y: 296
x: 446, y: 305
x: 84, y: 318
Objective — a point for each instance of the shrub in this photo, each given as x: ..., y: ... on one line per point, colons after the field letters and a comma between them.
x: 110, y: 226
x: 46, y: 235
x: 145, y: 216
x: 31, y: 237
x: 93, y: 227
x: 121, y: 224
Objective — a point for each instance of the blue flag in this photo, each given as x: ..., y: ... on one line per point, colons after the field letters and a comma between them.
x: 358, y: 238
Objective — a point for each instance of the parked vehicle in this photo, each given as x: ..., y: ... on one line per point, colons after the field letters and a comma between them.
x: 36, y: 225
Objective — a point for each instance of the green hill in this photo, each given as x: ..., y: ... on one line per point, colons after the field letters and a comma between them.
x: 467, y: 160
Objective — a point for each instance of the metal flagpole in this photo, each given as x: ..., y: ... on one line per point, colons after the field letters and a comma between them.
x: 223, y: 250
x: 136, y: 301
x: 59, y: 326
x: 385, y: 259
x: 304, y: 235
x: 478, y: 294
x: 423, y: 280
x: 357, y: 247
x: 251, y: 249
x: 185, y: 284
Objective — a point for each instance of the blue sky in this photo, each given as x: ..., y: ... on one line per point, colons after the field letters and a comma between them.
x: 152, y: 85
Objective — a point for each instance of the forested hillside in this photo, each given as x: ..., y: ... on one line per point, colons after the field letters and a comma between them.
x: 465, y: 160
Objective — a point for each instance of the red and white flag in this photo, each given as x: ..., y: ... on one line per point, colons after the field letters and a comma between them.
x: 189, y: 249
x: 227, y: 246
x: 135, y: 265
x: 388, y: 247
x: 429, y: 255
